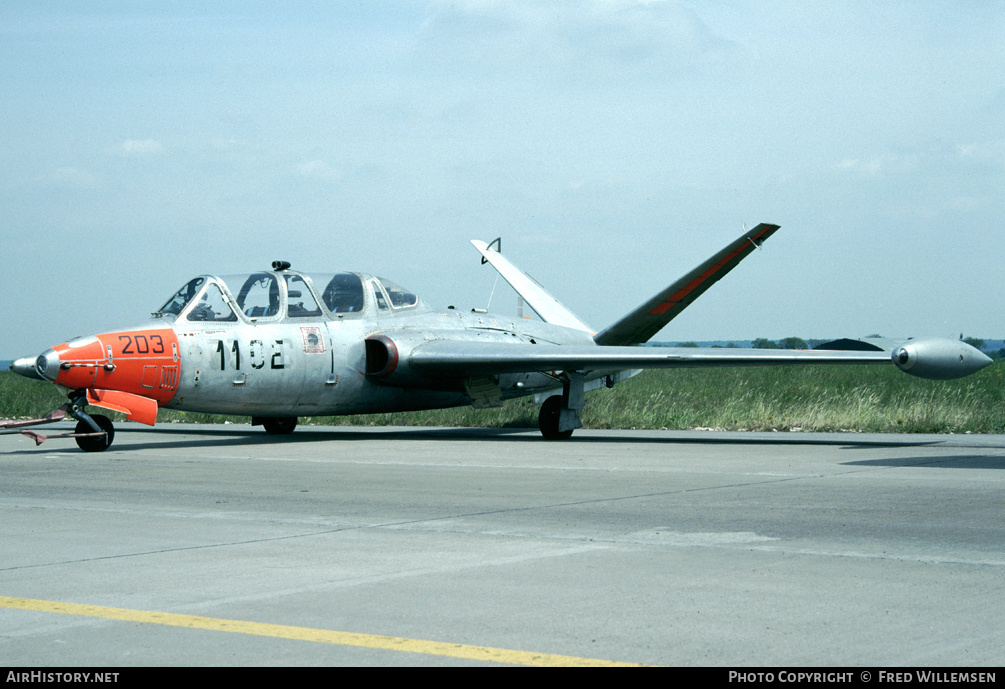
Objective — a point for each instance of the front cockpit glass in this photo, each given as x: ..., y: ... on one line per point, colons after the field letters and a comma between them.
x: 300, y: 302
x: 259, y: 296
x: 401, y: 298
x: 212, y: 307
x: 182, y: 297
x: 343, y: 293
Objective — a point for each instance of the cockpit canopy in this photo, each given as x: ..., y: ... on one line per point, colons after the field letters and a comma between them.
x: 285, y: 295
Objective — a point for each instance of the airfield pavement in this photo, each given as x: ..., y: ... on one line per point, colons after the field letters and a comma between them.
x: 220, y: 545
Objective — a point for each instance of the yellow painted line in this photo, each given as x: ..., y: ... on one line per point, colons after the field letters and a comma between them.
x: 324, y: 636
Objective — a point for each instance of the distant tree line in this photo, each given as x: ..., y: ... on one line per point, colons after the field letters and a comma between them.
x: 799, y: 343
x: 765, y: 343
x: 784, y: 343
x: 979, y: 343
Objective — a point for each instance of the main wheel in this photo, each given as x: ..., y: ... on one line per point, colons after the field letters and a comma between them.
x: 95, y: 443
x: 279, y: 425
x: 547, y: 420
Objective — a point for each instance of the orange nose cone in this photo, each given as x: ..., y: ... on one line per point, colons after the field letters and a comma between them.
x: 78, y: 359
x: 139, y: 362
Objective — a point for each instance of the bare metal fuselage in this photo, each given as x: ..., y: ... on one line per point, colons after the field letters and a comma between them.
x: 319, y: 368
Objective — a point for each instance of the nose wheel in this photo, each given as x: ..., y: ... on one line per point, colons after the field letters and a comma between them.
x: 90, y: 440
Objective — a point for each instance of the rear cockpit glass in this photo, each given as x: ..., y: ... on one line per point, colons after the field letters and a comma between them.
x: 344, y: 294
x: 182, y: 297
x: 300, y: 302
x: 378, y: 295
x: 212, y: 307
x: 259, y: 296
x: 401, y: 298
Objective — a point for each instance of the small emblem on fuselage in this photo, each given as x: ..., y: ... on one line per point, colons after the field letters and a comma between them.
x: 314, y: 342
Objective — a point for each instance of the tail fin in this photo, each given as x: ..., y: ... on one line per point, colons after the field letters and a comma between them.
x: 649, y: 318
x: 544, y: 304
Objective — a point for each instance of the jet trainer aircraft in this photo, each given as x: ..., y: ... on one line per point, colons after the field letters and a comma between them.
x: 278, y: 344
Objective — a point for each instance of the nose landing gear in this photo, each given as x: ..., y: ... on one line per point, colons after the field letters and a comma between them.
x: 92, y: 433
x: 90, y: 440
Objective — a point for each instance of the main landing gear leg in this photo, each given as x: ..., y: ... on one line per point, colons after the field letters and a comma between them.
x: 559, y: 415
x: 276, y: 425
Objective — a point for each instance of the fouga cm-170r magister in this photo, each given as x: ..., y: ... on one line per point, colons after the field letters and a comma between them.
x: 278, y: 344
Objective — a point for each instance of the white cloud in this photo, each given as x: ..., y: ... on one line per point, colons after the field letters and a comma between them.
x: 881, y: 164
x: 140, y: 147
x: 221, y: 143
x: 967, y: 204
x: 577, y: 34
x: 71, y: 177
x: 319, y: 169
x: 993, y: 151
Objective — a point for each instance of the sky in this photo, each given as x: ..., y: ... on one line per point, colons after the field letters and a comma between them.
x: 612, y: 145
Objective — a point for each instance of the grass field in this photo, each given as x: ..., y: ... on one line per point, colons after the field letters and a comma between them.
x: 816, y: 398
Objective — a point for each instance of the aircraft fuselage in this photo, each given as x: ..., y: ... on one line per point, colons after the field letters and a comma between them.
x: 288, y: 365
x: 320, y: 368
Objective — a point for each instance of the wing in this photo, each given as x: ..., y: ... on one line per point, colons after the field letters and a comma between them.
x: 460, y: 359
x: 931, y: 358
x: 649, y: 318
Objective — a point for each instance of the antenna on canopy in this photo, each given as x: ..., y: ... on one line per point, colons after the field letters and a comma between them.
x: 497, y: 243
x: 492, y: 293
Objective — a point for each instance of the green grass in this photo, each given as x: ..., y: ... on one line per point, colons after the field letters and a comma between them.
x: 22, y: 398
x: 816, y: 398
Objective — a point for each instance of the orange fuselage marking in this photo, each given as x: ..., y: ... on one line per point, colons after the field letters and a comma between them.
x: 143, y: 362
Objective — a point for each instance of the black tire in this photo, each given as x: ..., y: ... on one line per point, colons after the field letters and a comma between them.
x: 96, y: 443
x: 547, y: 420
x: 279, y: 425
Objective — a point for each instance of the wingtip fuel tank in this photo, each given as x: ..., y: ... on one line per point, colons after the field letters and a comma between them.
x: 938, y: 358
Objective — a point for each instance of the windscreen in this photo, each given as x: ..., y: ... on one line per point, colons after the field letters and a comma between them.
x: 181, y: 298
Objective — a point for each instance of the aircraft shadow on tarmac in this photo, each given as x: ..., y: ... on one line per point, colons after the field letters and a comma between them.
x: 943, y: 462
x: 136, y: 438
